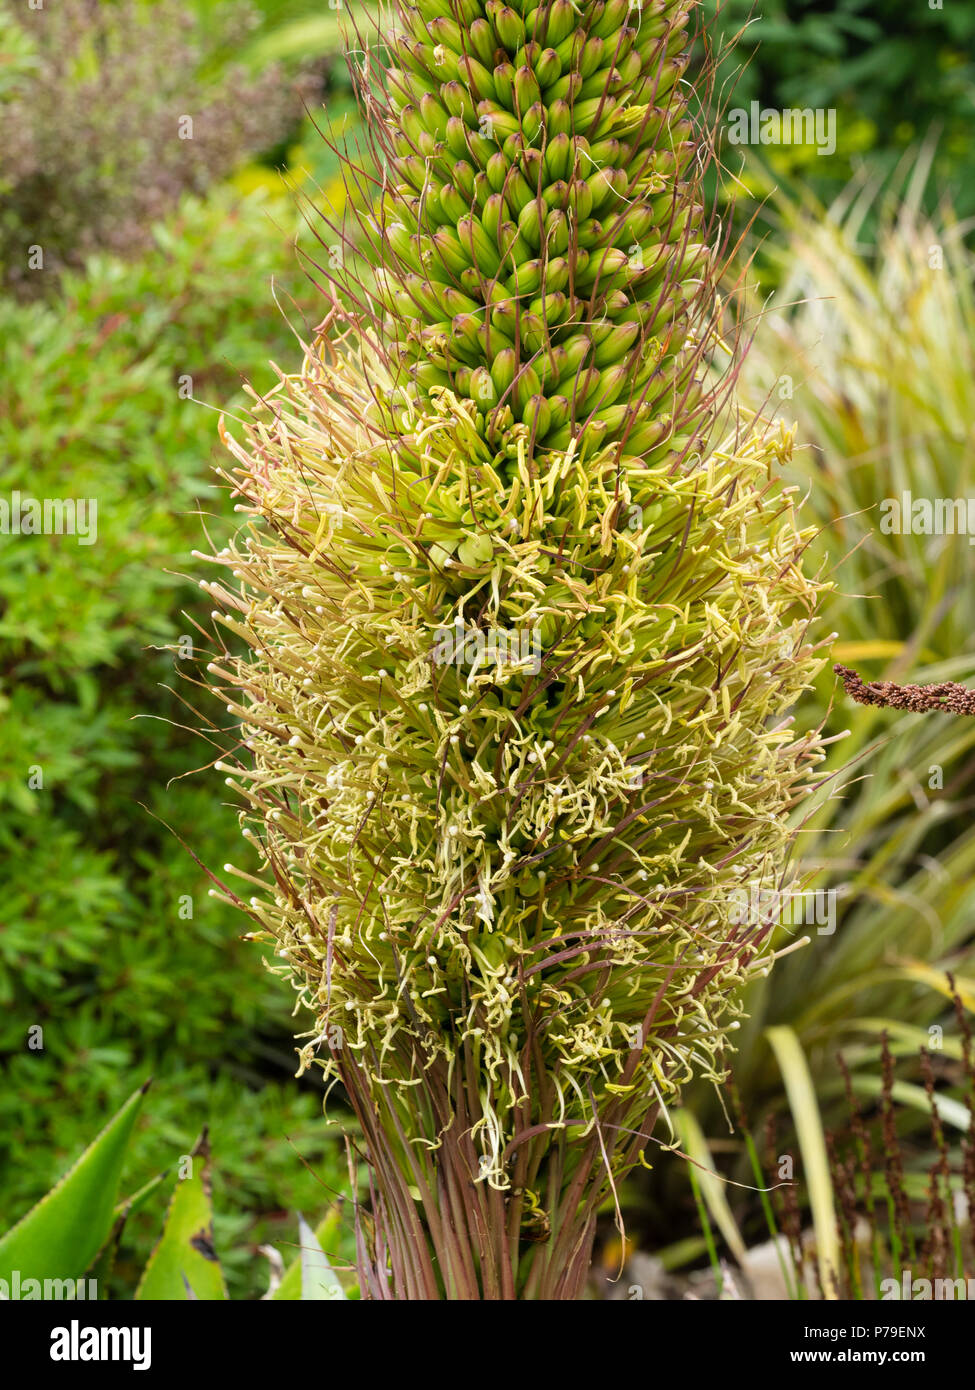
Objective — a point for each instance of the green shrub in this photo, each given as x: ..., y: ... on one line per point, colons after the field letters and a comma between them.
x: 108, y: 113
x: 95, y: 943
x: 895, y: 71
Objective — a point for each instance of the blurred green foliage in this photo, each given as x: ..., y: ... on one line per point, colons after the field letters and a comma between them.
x: 96, y: 944
x: 896, y: 71
x: 109, y: 112
x: 113, y: 375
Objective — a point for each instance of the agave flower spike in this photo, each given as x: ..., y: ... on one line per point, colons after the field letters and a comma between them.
x: 525, y: 611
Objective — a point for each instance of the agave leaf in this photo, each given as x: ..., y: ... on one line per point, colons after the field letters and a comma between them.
x: 64, y: 1232
x: 805, y: 1112
x: 128, y: 1206
x: 100, y: 1271
x: 184, y: 1264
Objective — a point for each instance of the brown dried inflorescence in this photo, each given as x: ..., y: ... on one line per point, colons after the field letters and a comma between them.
x: 946, y: 697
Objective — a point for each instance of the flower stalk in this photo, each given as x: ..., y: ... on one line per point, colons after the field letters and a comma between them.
x: 500, y: 873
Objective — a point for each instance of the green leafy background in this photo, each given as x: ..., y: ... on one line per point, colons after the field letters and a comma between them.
x: 95, y: 943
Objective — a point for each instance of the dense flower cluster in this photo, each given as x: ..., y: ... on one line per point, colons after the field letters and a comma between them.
x: 502, y: 870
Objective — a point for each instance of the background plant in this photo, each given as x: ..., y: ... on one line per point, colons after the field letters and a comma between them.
x: 886, y: 1199
x: 75, y: 1233
x: 90, y: 124
x: 896, y: 72
x: 110, y: 388
x: 880, y: 348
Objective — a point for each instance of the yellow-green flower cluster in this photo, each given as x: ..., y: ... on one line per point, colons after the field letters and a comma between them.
x: 526, y: 612
x: 533, y: 860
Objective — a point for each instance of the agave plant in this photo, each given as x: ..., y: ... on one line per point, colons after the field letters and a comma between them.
x: 525, y: 613
x: 67, y: 1245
